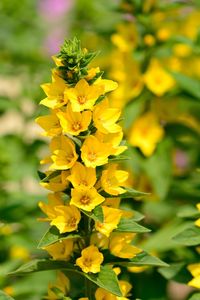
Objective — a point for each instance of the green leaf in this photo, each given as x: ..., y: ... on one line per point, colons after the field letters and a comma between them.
x: 176, y: 272
x: 118, y: 158
x: 106, y: 279
x: 142, y: 259
x: 195, y: 296
x: 189, y: 237
x: 53, y: 235
x: 38, y: 265
x: 158, y: 168
x: 188, y: 84
x: 51, y: 176
x: 129, y: 225
x: 4, y: 296
x: 96, y: 214
x: 130, y: 193
x: 188, y: 211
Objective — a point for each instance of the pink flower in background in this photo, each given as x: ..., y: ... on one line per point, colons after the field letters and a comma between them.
x: 181, y: 159
x: 54, y: 39
x: 54, y: 8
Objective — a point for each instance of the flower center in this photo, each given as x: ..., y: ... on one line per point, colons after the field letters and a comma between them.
x: 92, y: 156
x: 72, y: 222
x: 88, y: 262
x: 60, y: 98
x: 76, y: 126
x: 85, y: 200
x: 82, y: 99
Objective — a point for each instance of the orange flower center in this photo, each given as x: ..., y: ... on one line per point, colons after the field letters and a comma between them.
x: 76, y: 126
x: 92, y: 156
x: 88, y: 262
x: 60, y: 98
x: 85, y: 200
x: 72, y: 222
x: 82, y: 99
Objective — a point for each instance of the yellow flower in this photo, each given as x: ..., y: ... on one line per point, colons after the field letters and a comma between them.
x: 91, y: 73
x: 19, y: 252
x: 125, y: 287
x: 58, y: 183
x: 112, y: 217
x: 49, y: 209
x: 94, y: 153
x: 61, y: 249
x: 149, y: 40
x: 99, y: 240
x: 182, y: 50
x: 50, y: 123
x: 197, y: 223
x: 82, y: 176
x: 86, y: 199
x: 157, y: 79
x: 105, y: 118
x: 120, y: 245
x: 126, y: 38
x: 145, y: 133
x: 90, y: 260
x: 83, y: 96
x: 55, y: 92
x: 62, y: 284
x: 112, y: 140
x: 107, y: 85
x: 9, y: 290
x: 195, y: 271
x: 112, y: 180
x: 64, y: 153
x: 67, y: 218
x: 74, y: 122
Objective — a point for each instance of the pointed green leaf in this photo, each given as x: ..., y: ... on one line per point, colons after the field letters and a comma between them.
x: 106, y: 279
x: 129, y: 225
x: 53, y: 235
x: 195, y: 296
x: 4, y: 296
x: 96, y: 214
x: 189, y: 237
x: 188, y: 84
x: 38, y: 265
x: 141, y: 259
x: 51, y: 176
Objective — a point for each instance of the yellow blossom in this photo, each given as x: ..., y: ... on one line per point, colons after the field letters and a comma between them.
x: 62, y: 284
x: 182, y: 50
x: 82, y: 176
x: 57, y: 183
x: 120, y: 245
x: 157, y: 79
x: 74, y: 122
x: 90, y: 260
x: 195, y: 271
x: 94, y: 153
x: 112, y: 140
x: 49, y: 209
x: 149, y: 40
x: 61, y: 249
x: 86, y: 199
x: 112, y: 217
x: 83, y: 96
x: 126, y: 38
x: 112, y: 202
x: 67, y: 218
x: 106, y: 85
x: 197, y: 223
x: 19, y: 252
x: 91, y: 73
x: 9, y: 290
x: 145, y: 133
x: 55, y: 92
x: 105, y: 118
x: 99, y: 239
x: 64, y: 153
x: 112, y: 180
x: 50, y: 123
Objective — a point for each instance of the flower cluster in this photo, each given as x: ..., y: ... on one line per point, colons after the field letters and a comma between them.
x: 83, y: 177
